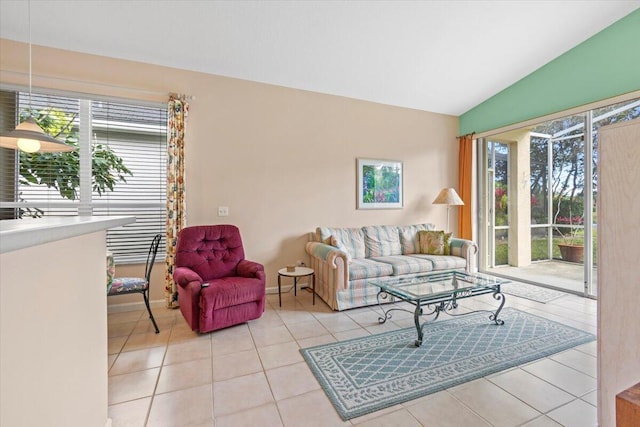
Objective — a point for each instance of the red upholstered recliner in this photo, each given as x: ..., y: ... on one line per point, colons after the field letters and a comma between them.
x: 217, y: 287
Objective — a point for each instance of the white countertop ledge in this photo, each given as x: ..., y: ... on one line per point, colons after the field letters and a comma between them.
x: 18, y: 234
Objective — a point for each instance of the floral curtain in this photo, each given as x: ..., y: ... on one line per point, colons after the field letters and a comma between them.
x: 464, y: 184
x: 178, y: 110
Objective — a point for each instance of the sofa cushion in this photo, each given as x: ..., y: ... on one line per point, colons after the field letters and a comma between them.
x: 403, y: 264
x: 365, y: 268
x: 381, y: 240
x: 443, y: 262
x: 409, y: 237
x: 125, y: 285
x: 434, y: 242
x: 351, y: 238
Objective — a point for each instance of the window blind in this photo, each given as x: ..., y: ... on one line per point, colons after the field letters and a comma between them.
x: 115, y: 139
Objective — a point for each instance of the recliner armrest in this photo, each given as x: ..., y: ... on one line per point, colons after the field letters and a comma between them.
x: 248, y: 268
x: 184, y: 275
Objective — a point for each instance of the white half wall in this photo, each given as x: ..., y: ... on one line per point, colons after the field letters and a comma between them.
x: 53, y: 334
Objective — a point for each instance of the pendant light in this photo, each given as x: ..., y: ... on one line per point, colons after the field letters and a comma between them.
x: 28, y: 136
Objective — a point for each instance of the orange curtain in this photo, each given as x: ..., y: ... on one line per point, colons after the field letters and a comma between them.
x: 464, y: 185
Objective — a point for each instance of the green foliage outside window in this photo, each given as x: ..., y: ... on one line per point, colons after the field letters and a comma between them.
x: 61, y: 171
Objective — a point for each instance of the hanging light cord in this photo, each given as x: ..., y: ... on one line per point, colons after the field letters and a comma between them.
x: 30, y: 67
x: 28, y: 135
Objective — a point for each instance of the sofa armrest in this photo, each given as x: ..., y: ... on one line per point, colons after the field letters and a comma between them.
x: 248, y: 268
x: 326, y: 253
x: 331, y: 268
x: 184, y: 275
x: 466, y: 249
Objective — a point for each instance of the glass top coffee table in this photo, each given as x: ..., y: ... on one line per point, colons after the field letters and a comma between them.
x: 433, y: 293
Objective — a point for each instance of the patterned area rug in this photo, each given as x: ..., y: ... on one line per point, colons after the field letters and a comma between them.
x: 364, y: 375
x: 531, y: 292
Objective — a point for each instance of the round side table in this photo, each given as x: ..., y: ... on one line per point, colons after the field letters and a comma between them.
x: 299, y: 272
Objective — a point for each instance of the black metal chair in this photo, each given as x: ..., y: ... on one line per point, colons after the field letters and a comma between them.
x: 138, y: 285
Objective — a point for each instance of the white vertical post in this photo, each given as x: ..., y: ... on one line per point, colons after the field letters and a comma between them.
x: 588, y: 203
x: 85, y: 158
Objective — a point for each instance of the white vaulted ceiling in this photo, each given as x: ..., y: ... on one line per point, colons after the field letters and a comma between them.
x: 439, y: 56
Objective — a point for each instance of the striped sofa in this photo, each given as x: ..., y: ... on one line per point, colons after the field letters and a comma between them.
x: 345, y: 259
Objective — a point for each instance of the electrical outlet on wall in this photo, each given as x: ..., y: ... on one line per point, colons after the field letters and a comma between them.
x: 223, y: 211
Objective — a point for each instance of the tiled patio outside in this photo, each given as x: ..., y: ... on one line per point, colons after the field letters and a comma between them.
x: 554, y: 274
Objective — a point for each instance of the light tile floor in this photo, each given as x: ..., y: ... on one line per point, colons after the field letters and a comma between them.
x: 253, y: 374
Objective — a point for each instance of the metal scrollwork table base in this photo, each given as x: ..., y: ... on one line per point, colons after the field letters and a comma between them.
x: 435, y: 293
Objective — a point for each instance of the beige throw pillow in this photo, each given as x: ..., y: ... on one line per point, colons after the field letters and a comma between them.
x: 434, y: 242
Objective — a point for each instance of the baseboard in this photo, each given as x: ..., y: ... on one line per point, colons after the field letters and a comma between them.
x: 286, y: 288
x: 134, y: 306
x: 274, y: 289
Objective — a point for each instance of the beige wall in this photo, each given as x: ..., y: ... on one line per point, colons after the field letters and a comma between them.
x: 282, y: 160
x: 53, y: 334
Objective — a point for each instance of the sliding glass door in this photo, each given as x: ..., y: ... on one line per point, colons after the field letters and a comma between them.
x: 498, y: 206
x: 539, y: 191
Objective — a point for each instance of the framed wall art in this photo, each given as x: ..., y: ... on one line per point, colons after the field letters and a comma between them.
x: 379, y: 184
